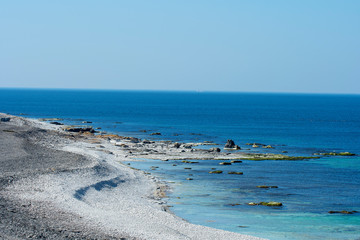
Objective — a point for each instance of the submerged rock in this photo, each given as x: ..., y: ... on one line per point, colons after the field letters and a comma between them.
x: 236, y: 161
x: 264, y: 186
x: 336, y: 154
x: 343, y: 212
x: 216, y: 172
x: 237, y: 173
x: 225, y: 163
x: 155, y: 133
x: 269, y: 204
x: 268, y: 146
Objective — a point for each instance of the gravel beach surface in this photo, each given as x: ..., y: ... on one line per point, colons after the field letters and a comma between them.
x: 60, y: 185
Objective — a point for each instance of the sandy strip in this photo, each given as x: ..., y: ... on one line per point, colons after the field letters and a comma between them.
x: 56, y: 185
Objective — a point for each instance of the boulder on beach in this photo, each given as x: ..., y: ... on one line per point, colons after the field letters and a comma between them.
x: 80, y: 129
x: 215, y: 149
x: 6, y: 119
x: 177, y: 145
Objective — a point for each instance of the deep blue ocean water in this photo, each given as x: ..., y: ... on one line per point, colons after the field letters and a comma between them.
x: 301, y: 124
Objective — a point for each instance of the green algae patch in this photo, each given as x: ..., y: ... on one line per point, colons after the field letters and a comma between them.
x: 261, y: 157
x: 336, y: 154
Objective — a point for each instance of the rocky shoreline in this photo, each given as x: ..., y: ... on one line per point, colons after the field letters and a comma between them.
x: 61, y: 182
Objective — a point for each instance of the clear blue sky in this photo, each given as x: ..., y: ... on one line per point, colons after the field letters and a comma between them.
x: 233, y: 45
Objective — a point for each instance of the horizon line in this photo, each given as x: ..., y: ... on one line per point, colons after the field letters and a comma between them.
x: 171, y: 90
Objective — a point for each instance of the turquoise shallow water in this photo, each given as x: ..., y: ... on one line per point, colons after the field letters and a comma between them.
x: 299, y: 124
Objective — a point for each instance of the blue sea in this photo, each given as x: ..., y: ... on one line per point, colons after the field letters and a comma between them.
x: 301, y: 124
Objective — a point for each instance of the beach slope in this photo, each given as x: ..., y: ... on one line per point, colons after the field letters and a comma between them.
x: 58, y: 185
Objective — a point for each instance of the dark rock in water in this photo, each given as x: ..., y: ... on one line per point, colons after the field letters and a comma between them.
x: 177, y: 145
x: 237, y: 173
x: 343, y: 212
x: 188, y: 146
x: 147, y: 141
x: 56, y: 123
x: 264, y: 186
x: 225, y: 163
x: 230, y: 144
x: 189, y: 179
x: 86, y: 122
x: 196, y: 134
x: 4, y: 119
x: 236, y: 161
x: 216, y: 172
x: 268, y: 146
x: 142, y: 131
x: 269, y: 204
x: 156, y: 133
x: 214, y: 150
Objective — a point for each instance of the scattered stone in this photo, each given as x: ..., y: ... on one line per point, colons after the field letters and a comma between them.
x: 86, y: 122
x: 56, y: 123
x: 269, y: 204
x: 343, y: 212
x: 234, y: 204
x: 186, y: 161
x: 230, y: 144
x: 255, y: 145
x: 188, y: 168
x: 284, y: 151
x: 216, y: 172
x: 268, y: 146
x: 156, y: 133
x: 189, y: 179
x: 264, y: 186
x: 147, y: 141
x: 143, y: 131
x: 225, y: 163
x: 6, y: 119
x: 80, y: 129
x: 215, y: 149
x: 236, y: 161
x: 237, y: 173
x: 177, y: 145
